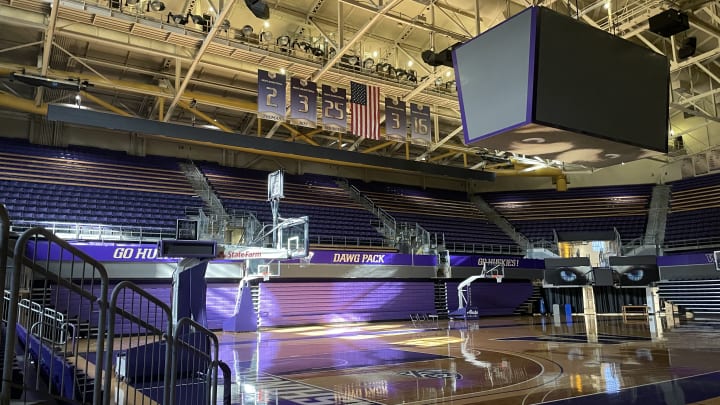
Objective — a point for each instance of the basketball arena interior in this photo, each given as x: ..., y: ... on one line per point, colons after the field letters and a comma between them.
x: 359, y: 202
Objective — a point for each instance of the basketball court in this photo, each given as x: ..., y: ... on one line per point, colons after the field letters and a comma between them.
x: 509, y: 360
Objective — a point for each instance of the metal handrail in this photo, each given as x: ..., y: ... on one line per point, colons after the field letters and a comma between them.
x: 4, y: 242
x: 211, y: 358
x: 114, y: 310
x: 22, y: 264
x: 99, y: 232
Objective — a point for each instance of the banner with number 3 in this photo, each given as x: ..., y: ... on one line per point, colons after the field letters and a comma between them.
x: 395, y: 119
x: 303, y: 103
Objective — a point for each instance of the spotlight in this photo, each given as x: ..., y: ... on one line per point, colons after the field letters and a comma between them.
x: 259, y: 8
x: 225, y: 26
x: 438, y: 81
x: 155, y: 5
x: 383, y: 67
x: 442, y: 58
x: 130, y: 2
x: 197, y: 19
x: 688, y: 48
x: 246, y: 31
x: 266, y: 36
x: 283, y: 41
x: 400, y: 74
x: 302, y: 45
x: 331, y: 53
x: 317, y: 51
x: 412, y: 76
x: 368, y: 63
x: 177, y: 19
x: 350, y: 60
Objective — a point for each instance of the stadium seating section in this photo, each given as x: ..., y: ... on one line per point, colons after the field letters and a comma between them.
x: 335, y: 219
x: 694, y: 210
x: 96, y: 186
x: 446, y: 214
x: 536, y: 213
x: 91, y: 186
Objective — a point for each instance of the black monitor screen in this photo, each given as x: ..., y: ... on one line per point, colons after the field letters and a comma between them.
x: 570, y: 275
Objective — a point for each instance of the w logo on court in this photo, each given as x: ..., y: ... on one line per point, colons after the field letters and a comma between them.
x: 433, y: 373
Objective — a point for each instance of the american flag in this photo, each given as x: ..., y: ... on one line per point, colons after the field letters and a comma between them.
x: 365, y: 110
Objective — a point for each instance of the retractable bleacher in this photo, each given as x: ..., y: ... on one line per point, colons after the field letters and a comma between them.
x: 86, y: 185
x: 536, y: 213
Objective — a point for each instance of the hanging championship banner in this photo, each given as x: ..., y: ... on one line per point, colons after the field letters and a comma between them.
x: 334, y: 108
x: 303, y: 102
x: 395, y: 119
x: 271, y: 96
x: 420, y: 125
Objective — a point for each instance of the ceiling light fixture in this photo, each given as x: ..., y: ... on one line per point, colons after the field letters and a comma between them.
x: 246, y: 31
x: 155, y: 5
x: 177, y: 19
x: 266, y: 36
x: 350, y: 60
x: 283, y: 42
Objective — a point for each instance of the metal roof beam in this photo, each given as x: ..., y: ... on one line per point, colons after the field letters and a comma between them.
x: 403, y: 20
x: 198, y: 55
x: 359, y: 34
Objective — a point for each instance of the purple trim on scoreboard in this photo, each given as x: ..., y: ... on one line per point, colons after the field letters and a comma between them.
x: 531, y: 74
x: 458, y: 88
x: 535, y: 12
x: 684, y: 260
x: 507, y: 261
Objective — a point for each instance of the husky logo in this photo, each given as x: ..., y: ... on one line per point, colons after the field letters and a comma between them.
x: 272, y: 75
x: 303, y: 82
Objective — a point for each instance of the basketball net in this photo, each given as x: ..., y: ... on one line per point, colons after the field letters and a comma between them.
x: 497, y: 277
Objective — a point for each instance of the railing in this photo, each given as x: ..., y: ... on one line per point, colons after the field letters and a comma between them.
x: 138, y: 349
x: 246, y: 220
x: 97, y: 232
x: 693, y: 244
x: 350, y: 242
x: 389, y: 225
x: 4, y: 250
x: 76, y: 285
x: 458, y: 247
x: 195, y: 361
x: 63, y: 334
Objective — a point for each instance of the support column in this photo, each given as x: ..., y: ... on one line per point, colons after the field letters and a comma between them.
x: 589, y: 300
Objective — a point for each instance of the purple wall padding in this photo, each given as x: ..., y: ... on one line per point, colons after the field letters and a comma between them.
x: 220, y: 304
x: 298, y: 303
x: 491, y: 298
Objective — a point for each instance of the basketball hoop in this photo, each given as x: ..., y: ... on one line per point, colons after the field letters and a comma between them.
x: 498, y: 277
x: 265, y: 276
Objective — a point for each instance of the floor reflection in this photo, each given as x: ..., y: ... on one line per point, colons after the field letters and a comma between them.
x: 519, y: 360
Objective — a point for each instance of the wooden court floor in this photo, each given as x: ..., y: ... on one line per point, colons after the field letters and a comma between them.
x: 510, y: 360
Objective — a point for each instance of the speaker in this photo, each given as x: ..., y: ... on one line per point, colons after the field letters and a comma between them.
x: 669, y: 23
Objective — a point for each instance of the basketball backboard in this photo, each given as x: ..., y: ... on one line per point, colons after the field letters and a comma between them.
x: 293, y: 236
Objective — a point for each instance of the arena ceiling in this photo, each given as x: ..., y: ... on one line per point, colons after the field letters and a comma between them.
x: 150, y: 64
